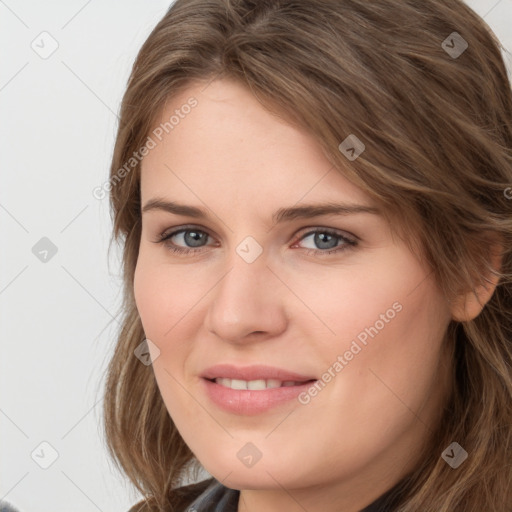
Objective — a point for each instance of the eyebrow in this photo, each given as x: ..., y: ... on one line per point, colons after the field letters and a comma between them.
x: 281, y: 215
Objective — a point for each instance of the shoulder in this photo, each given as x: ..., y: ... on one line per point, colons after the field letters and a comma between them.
x: 184, y: 496
x: 215, y: 498
x: 7, y: 507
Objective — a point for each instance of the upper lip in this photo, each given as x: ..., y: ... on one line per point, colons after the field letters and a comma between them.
x: 253, y: 372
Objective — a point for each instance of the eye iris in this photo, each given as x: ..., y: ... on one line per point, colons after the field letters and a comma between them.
x: 320, y: 238
x: 194, y: 238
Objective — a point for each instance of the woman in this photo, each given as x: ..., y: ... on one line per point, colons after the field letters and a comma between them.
x: 314, y: 204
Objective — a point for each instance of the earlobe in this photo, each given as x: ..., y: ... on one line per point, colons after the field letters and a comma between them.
x: 468, y: 305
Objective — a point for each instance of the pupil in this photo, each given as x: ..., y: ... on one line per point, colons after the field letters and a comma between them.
x: 193, y: 238
x: 324, y: 237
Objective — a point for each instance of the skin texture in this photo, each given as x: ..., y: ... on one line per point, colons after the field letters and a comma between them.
x: 364, y: 430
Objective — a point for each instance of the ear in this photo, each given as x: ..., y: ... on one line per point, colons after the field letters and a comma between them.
x: 468, y: 305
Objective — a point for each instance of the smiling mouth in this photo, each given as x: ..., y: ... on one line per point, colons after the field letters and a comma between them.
x: 257, y: 385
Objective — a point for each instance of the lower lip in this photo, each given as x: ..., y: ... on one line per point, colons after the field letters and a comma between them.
x: 251, y: 402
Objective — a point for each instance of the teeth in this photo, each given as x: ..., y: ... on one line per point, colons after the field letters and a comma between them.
x: 224, y: 382
x: 273, y: 383
x: 238, y: 384
x: 255, y: 385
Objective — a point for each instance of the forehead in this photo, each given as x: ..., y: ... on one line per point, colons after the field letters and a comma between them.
x: 229, y: 145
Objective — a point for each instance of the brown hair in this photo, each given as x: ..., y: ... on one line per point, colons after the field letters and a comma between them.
x: 437, y: 129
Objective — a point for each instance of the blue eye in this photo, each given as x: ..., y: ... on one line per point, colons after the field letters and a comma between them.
x: 327, y: 239
x: 191, y: 236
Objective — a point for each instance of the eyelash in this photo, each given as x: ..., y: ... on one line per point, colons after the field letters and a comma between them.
x: 349, y: 243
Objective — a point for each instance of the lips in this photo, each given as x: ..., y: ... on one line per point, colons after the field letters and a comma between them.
x: 254, y: 372
x: 254, y: 389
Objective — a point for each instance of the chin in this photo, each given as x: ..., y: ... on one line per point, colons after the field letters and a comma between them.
x: 235, y: 475
x: 248, y: 479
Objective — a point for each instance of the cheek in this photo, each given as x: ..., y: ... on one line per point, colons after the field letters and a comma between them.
x: 362, y: 302
x: 156, y: 296
x: 389, y: 324
x: 148, y: 296
x: 409, y: 356
x: 396, y: 367
x: 160, y: 298
x: 165, y: 300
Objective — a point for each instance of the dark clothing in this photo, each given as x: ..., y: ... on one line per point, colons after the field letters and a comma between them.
x: 7, y: 507
x: 215, y: 497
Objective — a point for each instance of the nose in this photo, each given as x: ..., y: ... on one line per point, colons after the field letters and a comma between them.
x: 247, y: 304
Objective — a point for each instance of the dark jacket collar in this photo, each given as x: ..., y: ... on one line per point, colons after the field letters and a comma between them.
x: 218, y: 498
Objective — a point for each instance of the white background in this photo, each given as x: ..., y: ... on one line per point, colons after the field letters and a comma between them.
x: 58, y: 318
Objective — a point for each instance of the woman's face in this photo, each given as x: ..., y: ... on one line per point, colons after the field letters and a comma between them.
x: 328, y: 303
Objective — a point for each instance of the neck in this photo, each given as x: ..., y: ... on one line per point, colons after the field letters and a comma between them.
x: 351, y: 495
